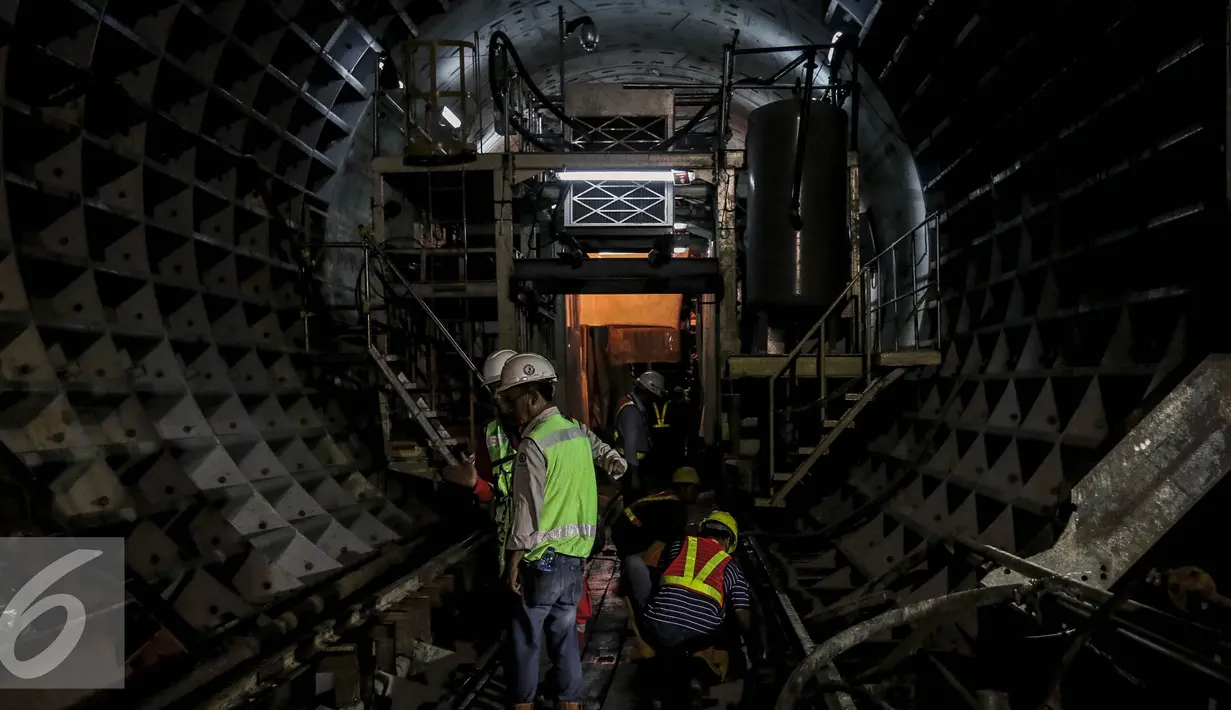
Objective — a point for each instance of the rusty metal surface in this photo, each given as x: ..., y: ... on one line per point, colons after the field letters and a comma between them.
x: 1147, y: 483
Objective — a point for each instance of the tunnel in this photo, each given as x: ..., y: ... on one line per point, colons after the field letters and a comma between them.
x: 254, y: 253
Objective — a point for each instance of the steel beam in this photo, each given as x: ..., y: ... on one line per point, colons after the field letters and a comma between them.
x: 686, y: 276
x: 527, y: 165
x: 1146, y: 484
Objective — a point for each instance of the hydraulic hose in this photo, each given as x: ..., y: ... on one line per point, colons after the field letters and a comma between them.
x: 501, y: 42
x: 825, y: 653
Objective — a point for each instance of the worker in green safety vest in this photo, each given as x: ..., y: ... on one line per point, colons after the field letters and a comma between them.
x: 489, y: 476
x: 552, y: 531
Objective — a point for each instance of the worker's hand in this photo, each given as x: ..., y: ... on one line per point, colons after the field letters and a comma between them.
x: 511, y: 580
x: 618, y: 467
x: 463, y: 473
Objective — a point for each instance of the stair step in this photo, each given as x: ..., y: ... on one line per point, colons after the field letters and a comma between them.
x: 853, y: 396
x: 413, y: 468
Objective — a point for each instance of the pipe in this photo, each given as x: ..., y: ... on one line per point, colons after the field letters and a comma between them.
x: 801, y: 146
x: 793, y: 48
x: 688, y: 127
x: 1148, y: 639
x: 649, y: 86
x: 766, y: 81
x: 560, y: 49
x: 824, y: 654
x: 501, y: 42
x: 724, y: 118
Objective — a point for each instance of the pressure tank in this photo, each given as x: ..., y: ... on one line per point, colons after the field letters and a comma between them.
x: 788, y: 270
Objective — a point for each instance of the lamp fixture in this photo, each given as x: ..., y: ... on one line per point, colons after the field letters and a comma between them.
x: 587, y: 32
x: 622, y: 175
x: 449, y: 117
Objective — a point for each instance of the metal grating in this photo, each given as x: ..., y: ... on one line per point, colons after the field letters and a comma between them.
x: 619, y: 203
x: 621, y: 134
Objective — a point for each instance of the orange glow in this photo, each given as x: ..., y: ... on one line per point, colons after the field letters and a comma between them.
x: 651, y: 310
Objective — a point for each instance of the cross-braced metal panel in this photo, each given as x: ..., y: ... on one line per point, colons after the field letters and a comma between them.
x: 619, y: 203
x: 621, y: 134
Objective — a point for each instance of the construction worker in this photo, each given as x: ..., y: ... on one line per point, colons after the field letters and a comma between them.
x: 554, y: 524
x: 489, y: 476
x: 700, y: 587
x: 636, y: 427
x: 657, y: 517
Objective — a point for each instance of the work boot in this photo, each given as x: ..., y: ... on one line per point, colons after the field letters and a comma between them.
x: 561, y: 705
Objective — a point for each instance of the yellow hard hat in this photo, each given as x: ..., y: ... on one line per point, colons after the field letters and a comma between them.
x: 684, y: 475
x: 725, y: 519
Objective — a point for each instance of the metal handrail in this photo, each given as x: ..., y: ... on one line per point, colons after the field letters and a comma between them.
x: 798, y: 349
x: 819, y: 325
x: 406, y: 284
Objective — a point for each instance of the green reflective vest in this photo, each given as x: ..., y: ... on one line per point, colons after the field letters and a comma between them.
x: 499, y: 447
x: 568, y: 521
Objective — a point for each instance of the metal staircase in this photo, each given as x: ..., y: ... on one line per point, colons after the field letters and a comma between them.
x: 403, y: 336
x: 887, y: 321
x: 438, y: 437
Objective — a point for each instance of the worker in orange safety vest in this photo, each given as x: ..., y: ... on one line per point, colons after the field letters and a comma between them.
x: 700, y: 588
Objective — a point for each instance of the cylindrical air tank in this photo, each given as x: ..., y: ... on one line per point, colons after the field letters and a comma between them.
x: 796, y: 271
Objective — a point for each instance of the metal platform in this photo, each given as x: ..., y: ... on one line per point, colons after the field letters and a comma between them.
x: 686, y: 276
x: 840, y: 366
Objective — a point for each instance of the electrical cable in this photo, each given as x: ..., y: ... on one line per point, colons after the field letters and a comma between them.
x: 824, y: 654
x: 501, y: 42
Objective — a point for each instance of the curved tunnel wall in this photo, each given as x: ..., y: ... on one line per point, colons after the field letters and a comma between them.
x: 1042, y: 364
x: 153, y: 370
x: 1071, y: 208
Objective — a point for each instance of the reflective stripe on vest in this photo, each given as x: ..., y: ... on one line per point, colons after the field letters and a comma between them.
x: 652, y: 498
x: 625, y: 401
x: 499, y: 448
x: 682, y: 572
x: 568, y: 520
x: 660, y: 416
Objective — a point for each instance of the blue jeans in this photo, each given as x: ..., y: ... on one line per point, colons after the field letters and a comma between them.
x: 639, y: 587
x: 548, y: 602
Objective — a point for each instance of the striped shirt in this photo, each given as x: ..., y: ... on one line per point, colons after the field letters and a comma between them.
x: 693, y: 611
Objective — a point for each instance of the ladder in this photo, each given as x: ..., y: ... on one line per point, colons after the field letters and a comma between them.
x: 428, y: 420
x: 438, y: 437
x: 867, y: 300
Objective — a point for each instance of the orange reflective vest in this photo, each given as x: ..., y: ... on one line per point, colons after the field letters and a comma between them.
x: 699, y: 568
x: 652, y: 498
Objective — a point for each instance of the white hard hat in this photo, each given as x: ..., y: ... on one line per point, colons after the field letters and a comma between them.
x: 653, y: 383
x: 494, y: 364
x: 523, y: 368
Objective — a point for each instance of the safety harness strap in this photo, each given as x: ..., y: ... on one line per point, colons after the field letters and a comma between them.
x: 652, y: 498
